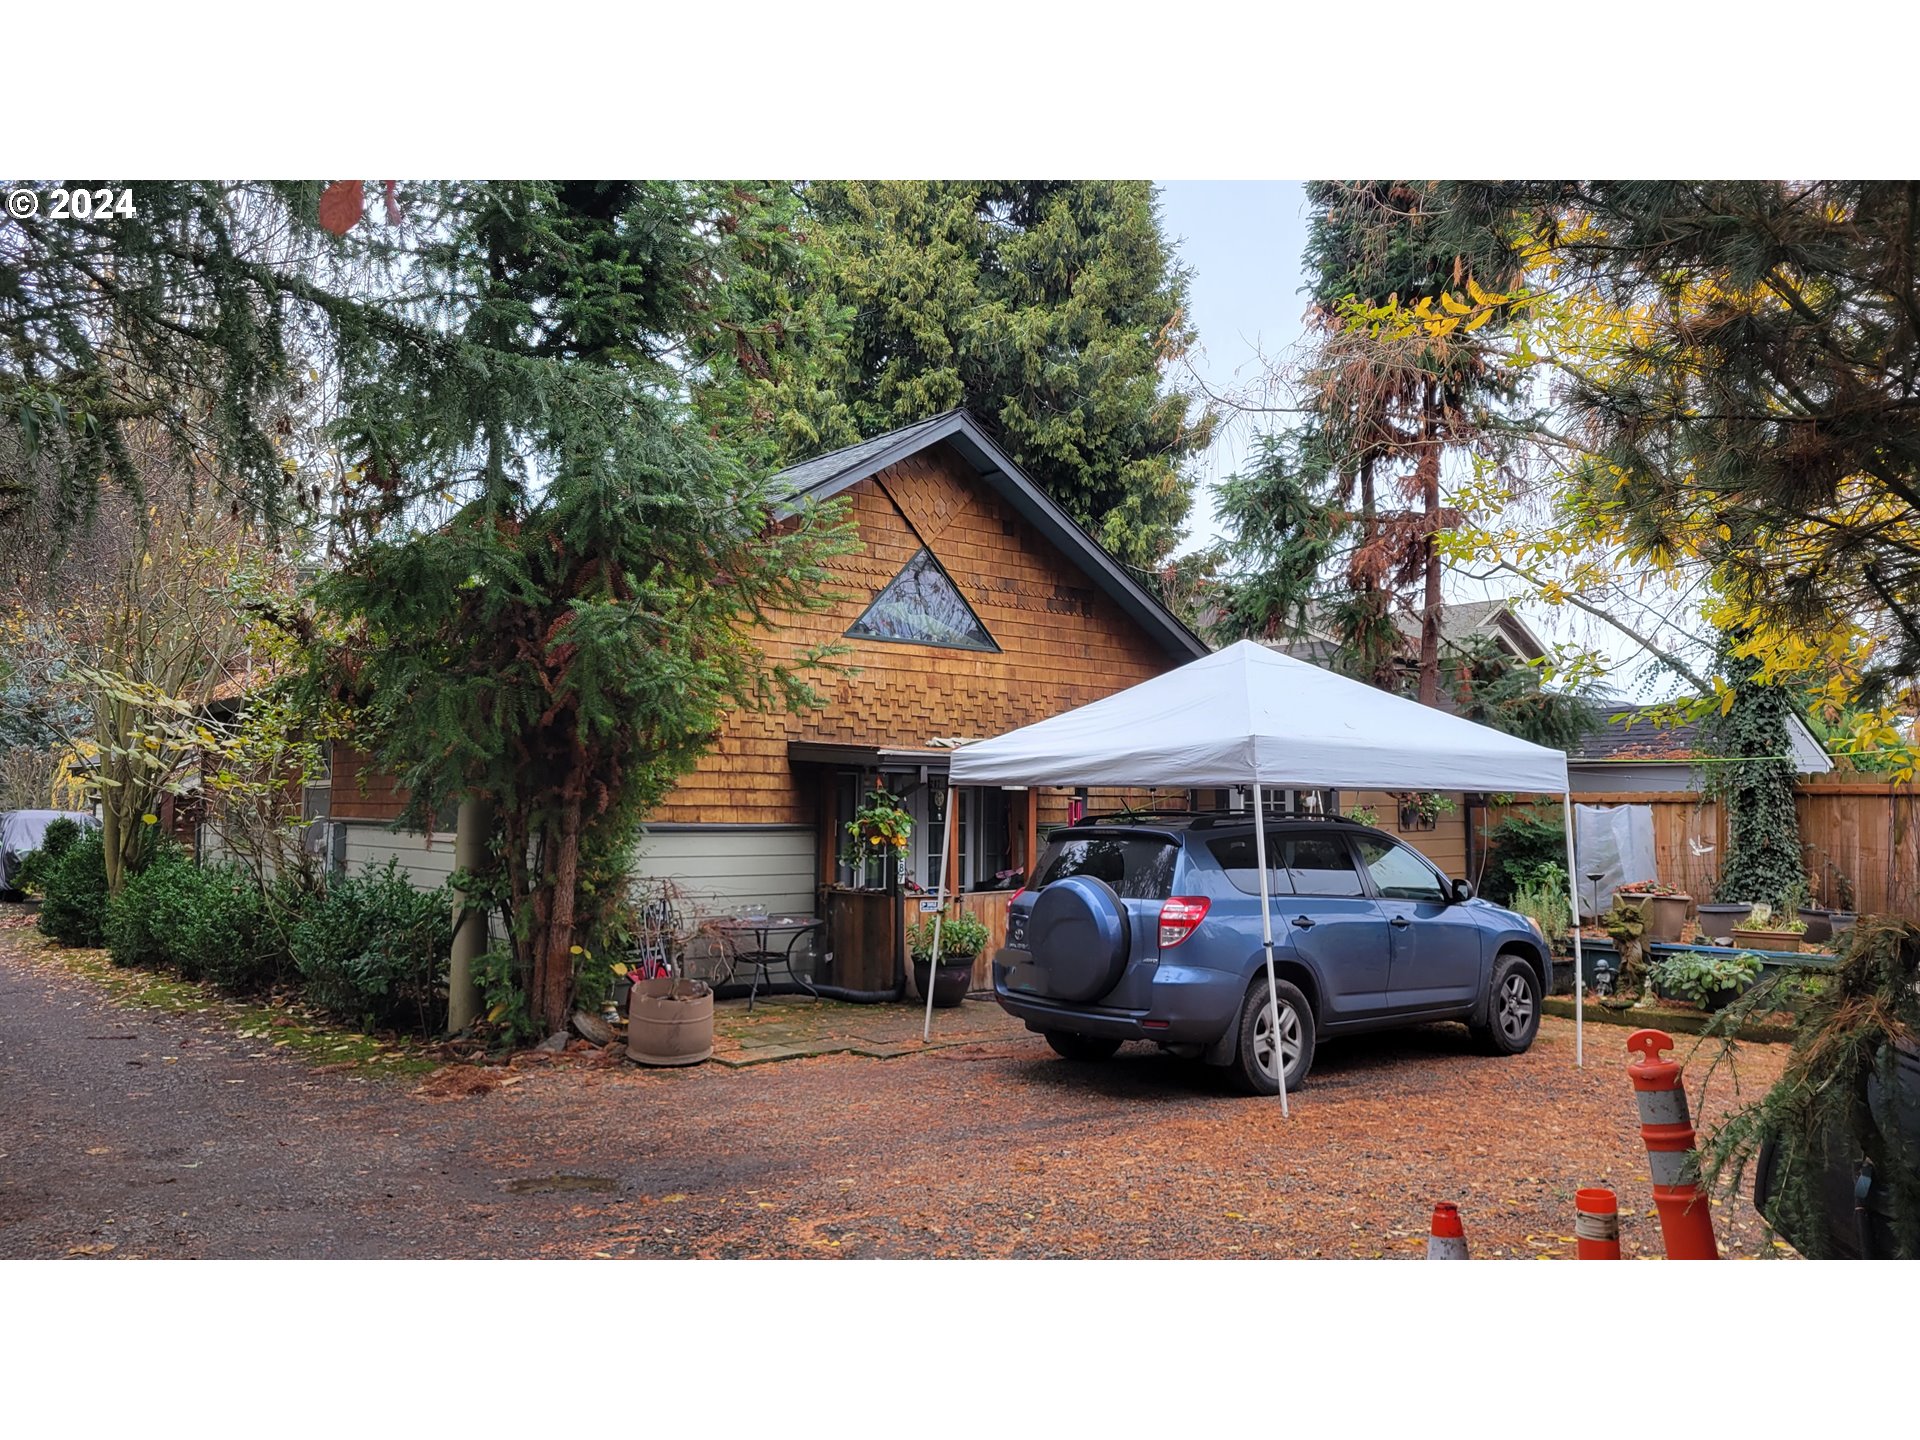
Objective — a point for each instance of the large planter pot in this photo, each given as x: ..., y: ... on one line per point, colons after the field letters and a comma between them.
x: 1841, y: 921
x: 950, y: 984
x: 1819, y: 925
x: 1787, y: 941
x: 1717, y: 922
x: 670, y: 1022
x: 1667, y: 916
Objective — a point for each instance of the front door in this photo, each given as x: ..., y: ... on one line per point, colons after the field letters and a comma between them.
x: 1436, y: 945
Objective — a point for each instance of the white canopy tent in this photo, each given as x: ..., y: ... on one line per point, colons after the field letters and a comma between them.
x: 1249, y: 715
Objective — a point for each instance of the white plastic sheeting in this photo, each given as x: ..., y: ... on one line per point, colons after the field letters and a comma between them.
x: 1616, y: 843
x: 1248, y: 713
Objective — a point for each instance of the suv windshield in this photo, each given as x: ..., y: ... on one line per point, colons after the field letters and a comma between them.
x: 1138, y: 867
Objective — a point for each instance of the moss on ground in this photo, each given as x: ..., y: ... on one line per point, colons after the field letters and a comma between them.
x: 285, y: 1023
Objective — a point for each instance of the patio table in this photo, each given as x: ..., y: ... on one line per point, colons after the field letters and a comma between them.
x: 764, y: 931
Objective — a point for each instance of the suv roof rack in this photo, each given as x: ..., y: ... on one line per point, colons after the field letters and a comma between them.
x: 1206, y: 819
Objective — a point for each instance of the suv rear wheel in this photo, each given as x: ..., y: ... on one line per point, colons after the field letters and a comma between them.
x: 1253, y: 1057
x: 1070, y: 1045
x: 1513, y: 1008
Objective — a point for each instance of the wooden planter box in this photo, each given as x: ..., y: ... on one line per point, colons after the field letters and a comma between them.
x: 1787, y: 941
x: 866, y: 937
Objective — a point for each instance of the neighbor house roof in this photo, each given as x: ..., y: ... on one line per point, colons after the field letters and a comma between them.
x: 825, y: 476
x: 1630, y: 734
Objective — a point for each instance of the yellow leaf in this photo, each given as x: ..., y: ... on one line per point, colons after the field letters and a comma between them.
x: 1477, y: 321
x: 1480, y: 297
x: 1454, y: 305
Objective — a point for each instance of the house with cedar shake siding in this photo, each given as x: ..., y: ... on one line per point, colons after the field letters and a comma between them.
x: 973, y: 605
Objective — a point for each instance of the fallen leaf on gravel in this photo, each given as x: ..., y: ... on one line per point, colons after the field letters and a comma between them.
x: 105, y: 1249
x: 107, y: 1150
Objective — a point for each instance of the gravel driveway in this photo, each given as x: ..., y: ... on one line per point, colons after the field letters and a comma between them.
x: 128, y: 1132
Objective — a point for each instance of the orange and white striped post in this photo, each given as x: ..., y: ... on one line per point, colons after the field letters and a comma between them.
x: 1596, y: 1224
x: 1686, y: 1223
x: 1446, y: 1239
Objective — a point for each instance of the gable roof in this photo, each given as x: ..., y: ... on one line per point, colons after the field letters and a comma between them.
x: 1626, y: 736
x: 825, y: 476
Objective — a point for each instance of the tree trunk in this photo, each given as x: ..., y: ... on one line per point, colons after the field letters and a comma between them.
x: 552, y: 999
x: 1430, y: 506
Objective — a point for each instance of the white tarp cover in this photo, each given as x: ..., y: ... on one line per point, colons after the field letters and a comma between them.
x: 1248, y: 713
x: 1615, y: 842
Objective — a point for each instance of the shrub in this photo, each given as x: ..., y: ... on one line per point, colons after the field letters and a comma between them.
x: 1543, y: 900
x: 223, y: 932
x: 55, y: 841
x: 373, y: 949
x: 142, y: 921
x: 74, y: 887
x: 1700, y: 978
x: 1522, y: 845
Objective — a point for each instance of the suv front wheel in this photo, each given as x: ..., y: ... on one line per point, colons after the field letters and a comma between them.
x: 1513, y: 1008
x: 1253, y: 1057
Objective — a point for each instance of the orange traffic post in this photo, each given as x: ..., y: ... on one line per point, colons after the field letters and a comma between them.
x: 1596, y: 1224
x: 1686, y: 1223
x: 1446, y: 1240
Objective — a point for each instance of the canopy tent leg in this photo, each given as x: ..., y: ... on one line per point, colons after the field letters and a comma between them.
x: 1573, y: 896
x: 946, y: 859
x: 1266, y: 945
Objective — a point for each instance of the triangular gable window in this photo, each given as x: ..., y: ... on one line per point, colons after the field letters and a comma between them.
x: 923, y: 607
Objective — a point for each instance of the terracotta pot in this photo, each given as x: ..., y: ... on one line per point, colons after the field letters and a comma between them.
x: 1786, y: 941
x: 670, y: 1022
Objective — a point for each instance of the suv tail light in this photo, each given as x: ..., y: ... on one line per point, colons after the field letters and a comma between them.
x: 1015, y: 896
x: 1180, y: 917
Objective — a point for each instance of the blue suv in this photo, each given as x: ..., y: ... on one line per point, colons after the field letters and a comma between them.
x: 1149, y: 929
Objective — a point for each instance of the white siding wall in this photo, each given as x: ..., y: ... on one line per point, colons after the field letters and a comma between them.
x: 372, y: 843
x: 722, y: 868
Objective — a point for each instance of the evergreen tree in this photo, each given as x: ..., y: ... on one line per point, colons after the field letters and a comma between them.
x: 568, y: 633
x: 1050, y: 309
x: 170, y: 310
x: 1314, y: 527
x: 1759, y: 384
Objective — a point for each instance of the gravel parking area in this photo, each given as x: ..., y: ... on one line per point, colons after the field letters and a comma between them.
x: 130, y: 1132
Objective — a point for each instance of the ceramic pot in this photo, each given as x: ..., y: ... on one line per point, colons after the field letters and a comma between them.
x: 670, y: 1022
x: 1717, y: 921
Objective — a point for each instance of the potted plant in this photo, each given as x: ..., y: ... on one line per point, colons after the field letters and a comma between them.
x: 1701, y: 978
x: 877, y: 836
x: 1716, y: 921
x: 1664, y: 905
x: 1765, y: 930
x: 962, y: 937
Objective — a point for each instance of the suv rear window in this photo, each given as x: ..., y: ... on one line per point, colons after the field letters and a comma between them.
x: 1138, y: 867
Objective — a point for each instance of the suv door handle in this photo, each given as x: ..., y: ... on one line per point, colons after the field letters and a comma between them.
x: 1399, y: 922
x: 1305, y: 922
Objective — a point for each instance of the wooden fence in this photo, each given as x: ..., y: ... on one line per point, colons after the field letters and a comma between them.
x: 1852, y: 825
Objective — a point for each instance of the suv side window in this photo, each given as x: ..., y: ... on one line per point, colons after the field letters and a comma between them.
x: 1322, y: 865
x: 1236, y: 856
x: 1398, y: 873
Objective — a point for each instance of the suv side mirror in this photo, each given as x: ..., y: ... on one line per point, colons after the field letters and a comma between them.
x: 1461, y: 890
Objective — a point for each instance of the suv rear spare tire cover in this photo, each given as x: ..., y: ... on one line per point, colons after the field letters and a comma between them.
x: 1078, y: 936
